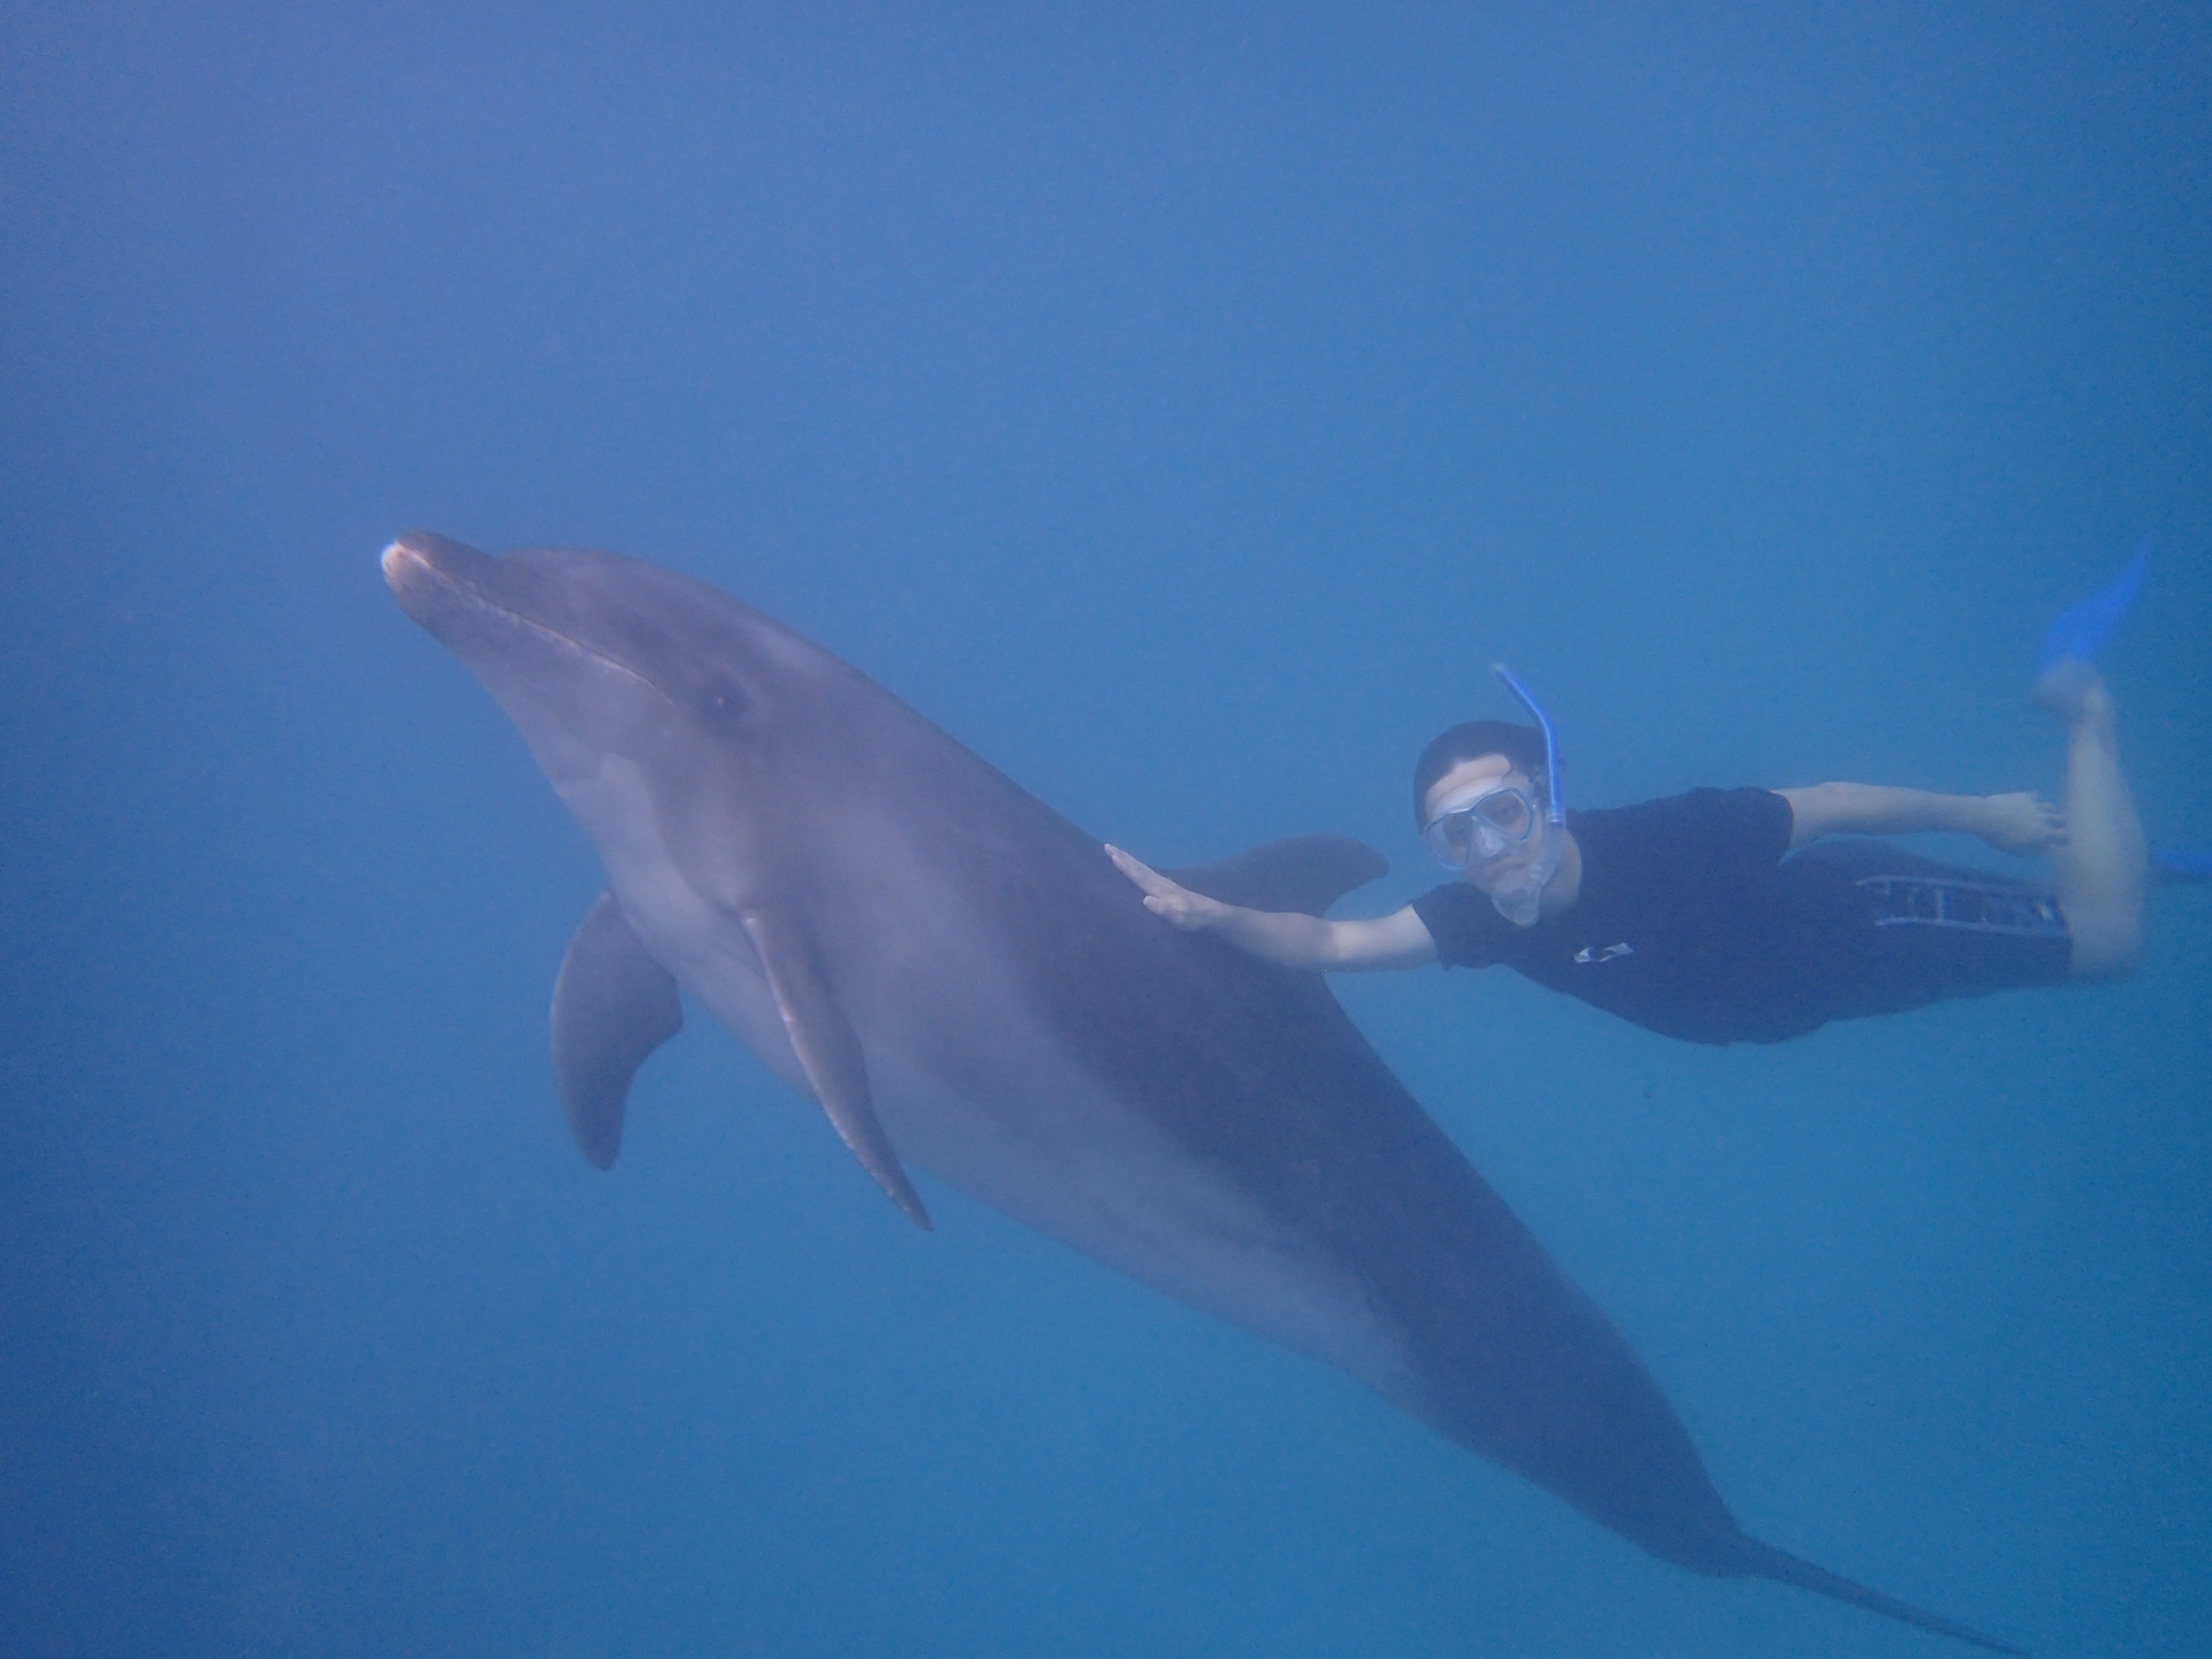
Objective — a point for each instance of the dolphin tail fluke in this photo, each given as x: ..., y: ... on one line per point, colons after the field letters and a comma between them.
x: 2077, y: 635
x: 1759, y: 1561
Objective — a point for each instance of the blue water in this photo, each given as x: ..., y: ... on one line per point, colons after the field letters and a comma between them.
x: 1184, y: 410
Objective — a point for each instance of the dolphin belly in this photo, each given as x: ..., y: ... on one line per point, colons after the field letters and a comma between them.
x: 1038, y: 1136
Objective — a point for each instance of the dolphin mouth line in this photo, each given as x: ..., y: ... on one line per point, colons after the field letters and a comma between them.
x: 401, y: 558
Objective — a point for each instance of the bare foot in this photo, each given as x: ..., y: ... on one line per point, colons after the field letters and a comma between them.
x: 2022, y: 824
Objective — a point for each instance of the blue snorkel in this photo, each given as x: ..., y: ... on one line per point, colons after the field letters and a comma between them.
x: 1520, y: 896
x: 1555, y: 811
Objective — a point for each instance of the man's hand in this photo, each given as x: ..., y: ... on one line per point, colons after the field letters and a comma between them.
x: 2021, y: 824
x: 1286, y: 938
x: 1192, y: 912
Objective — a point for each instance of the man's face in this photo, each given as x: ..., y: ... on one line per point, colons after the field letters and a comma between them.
x: 1478, y: 776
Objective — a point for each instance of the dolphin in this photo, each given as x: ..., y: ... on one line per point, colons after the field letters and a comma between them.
x: 962, y: 981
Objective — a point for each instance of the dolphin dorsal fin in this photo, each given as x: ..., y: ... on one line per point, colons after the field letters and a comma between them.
x: 829, y: 1054
x: 613, y: 1005
x: 1305, y: 873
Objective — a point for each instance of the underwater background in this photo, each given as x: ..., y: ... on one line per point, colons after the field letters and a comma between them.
x: 1184, y: 407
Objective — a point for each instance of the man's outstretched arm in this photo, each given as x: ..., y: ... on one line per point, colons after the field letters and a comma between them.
x: 1285, y: 938
x: 2020, y: 824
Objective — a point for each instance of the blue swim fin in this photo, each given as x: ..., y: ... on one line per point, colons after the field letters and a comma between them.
x: 2178, y: 864
x: 2077, y: 635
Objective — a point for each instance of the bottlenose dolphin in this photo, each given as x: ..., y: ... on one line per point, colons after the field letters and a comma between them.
x: 960, y: 979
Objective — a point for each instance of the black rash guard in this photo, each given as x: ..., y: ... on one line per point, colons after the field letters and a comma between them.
x: 1690, y: 920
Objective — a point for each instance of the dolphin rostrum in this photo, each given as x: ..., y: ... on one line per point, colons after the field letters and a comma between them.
x: 961, y: 980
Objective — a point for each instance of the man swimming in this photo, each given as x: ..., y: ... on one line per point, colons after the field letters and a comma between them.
x: 1726, y: 915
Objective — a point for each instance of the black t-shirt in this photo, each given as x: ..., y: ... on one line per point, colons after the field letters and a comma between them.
x: 1687, y: 921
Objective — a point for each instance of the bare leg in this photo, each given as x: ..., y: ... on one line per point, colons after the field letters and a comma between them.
x: 2103, y: 867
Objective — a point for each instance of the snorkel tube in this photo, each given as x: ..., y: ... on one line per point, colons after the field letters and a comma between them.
x: 1520, y: 896
x: 1554, y: 810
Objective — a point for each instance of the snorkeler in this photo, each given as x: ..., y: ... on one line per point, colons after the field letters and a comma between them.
x: 1724, y: 915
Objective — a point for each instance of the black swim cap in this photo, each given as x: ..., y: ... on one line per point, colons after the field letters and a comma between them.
x: 1522, y: 746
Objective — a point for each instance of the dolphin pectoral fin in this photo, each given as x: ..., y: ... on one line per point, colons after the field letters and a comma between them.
x: 1305, y: 873
x: 829, y: 1054
x: 613, y: 1005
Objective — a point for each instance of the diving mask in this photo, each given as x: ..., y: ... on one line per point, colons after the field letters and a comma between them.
x: 1480, y: 826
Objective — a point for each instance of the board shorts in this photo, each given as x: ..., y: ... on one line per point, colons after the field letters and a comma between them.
x: 1924, y: 932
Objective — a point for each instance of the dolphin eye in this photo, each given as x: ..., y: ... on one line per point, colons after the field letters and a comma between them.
x: 723, y: 704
